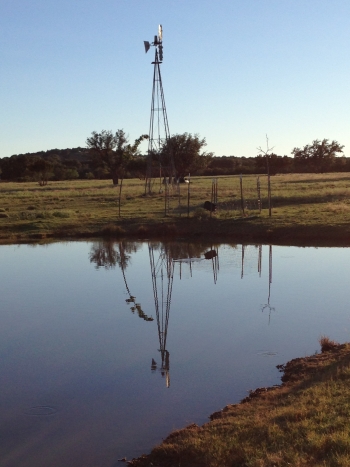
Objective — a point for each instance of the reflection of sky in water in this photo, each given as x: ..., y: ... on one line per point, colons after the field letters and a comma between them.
x: 72, y: 348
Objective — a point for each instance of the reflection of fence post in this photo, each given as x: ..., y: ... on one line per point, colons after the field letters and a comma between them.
x: 260, y: 260
x: 259, y: 193
x: 242, y: 265
x: 215, y: 263
x: 242, y: 200
x: 188, y: 195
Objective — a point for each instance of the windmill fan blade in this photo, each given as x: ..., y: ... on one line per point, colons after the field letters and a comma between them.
x: 147, y: 46
x: 160, y: 32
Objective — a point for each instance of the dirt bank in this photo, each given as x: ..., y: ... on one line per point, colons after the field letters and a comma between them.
x: 240, y: 230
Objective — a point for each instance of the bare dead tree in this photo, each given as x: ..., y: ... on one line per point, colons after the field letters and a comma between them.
x: 266, y: 154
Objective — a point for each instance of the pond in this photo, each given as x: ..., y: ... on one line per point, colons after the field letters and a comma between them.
x: 107, y: 347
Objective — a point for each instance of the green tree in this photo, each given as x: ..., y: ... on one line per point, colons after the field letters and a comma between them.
x: 112, y: 152
x: 43, y: 169
x: 318, y: 156
x: 187, y: 153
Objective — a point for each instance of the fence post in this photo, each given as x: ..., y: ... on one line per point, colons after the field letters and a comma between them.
x: 242, y: 200
x: 166, y: 196
x: 120, y: 194
x: 269, y: 193
x: 188, y: 195
x: 214, y: 193
x: 259, y: 193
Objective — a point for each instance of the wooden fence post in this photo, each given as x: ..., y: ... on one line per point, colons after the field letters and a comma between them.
x: 242, y: 199
x: 188, y: 195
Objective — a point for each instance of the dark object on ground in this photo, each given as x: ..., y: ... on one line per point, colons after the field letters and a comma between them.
x: 209, y: 206
x: 210, y: 254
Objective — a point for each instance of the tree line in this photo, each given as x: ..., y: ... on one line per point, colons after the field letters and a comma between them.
x: 109, y: 155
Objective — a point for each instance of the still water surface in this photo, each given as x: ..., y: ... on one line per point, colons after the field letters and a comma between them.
x: 89, y: 374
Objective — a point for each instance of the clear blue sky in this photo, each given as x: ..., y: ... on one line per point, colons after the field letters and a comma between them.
x: 233, y: 71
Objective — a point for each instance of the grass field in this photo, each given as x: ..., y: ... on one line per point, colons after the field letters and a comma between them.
x: 313, y: 207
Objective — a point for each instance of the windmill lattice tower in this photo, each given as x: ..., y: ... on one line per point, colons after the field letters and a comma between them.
x: 157, y: 162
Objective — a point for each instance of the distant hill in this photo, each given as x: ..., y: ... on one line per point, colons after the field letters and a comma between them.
x: 56, y: 164
x: 80, y: 154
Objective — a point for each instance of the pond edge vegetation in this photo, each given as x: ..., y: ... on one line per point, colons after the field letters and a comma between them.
x: 302, y: 422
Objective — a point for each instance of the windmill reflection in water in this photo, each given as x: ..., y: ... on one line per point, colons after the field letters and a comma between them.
x: 162, y: 265
x: 162, y: 270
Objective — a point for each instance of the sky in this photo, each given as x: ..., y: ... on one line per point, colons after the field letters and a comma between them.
x: 234, y: 71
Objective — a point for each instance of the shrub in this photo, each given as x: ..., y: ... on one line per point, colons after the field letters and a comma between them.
x: 327, y: 344
x: 61, y: 214
x: 38, y: 215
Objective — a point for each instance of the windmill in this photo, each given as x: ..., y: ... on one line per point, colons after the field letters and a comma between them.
x: 158, y: 128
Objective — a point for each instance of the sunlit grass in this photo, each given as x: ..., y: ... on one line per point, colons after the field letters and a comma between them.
x: 87, y: 206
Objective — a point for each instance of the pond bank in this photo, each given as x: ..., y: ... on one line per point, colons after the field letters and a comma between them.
x: 302, y: 422
x: 253, y: 229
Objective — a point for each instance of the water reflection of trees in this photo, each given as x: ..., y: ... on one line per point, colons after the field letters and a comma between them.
x: 108, y: 254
